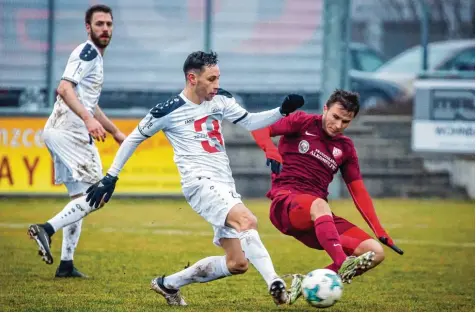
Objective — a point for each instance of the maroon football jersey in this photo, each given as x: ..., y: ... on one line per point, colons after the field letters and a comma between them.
x: 311, y: 158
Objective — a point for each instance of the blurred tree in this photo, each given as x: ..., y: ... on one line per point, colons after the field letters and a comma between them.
x: 456, y: 14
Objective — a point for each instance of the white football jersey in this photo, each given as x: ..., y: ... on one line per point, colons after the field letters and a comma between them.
x: 194, y: 132
x: 85, y: 70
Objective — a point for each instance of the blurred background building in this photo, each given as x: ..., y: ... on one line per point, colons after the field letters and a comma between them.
x: 268, y: 48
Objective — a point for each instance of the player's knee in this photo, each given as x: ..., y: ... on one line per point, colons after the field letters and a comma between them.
x: 241, y: 218
x: 379, y: 254
x: 319, y: 208
x: 237, y: 266
x: 248, y: 221
x: 376, y: 247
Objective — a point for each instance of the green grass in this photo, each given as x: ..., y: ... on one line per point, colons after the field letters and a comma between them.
x: 126, y: 244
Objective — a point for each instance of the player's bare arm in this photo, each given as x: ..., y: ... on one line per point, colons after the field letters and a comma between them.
x: 66, y: 92
x: 109, y: 126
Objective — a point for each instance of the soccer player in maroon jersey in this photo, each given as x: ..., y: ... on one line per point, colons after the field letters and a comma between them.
x: 312, y: 149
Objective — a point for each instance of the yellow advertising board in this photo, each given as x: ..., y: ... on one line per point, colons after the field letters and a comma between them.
x: 26, y: 166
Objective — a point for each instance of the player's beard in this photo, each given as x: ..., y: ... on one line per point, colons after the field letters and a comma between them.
x: 97, y: 41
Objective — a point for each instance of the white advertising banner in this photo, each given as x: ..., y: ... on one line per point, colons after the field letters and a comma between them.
x: 443, y: 136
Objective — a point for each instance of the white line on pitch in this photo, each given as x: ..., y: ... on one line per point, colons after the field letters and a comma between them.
x: 181, y: 232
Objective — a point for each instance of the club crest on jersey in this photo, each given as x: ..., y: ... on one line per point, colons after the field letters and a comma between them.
x: 337, y: 153
x: 303, y: 146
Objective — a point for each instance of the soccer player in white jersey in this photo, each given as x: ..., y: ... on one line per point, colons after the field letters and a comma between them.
x: 69, y: 132
x: 192, y: 122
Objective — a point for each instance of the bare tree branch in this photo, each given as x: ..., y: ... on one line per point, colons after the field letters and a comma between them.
x: 396, y: 7
x: 414, y: 8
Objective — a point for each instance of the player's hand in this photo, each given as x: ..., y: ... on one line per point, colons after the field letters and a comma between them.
x: 119, y: 137
x: 386, y: 240
x: 95, y: 129
x: 291, y: 103
x: 274, y: 159
x: 101, y: 191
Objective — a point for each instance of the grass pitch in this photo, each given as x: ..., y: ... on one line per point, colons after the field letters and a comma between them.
x: 124, y: 245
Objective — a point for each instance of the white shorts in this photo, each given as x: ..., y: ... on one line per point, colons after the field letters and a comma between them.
x: 76, y: 158
x: 76, y: 188
x: 213, y: 201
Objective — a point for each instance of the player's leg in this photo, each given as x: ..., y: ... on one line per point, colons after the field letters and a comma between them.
x: 69, y: 153
x: 241, y: 219
x: 66, y: 268
x: 357, y: 242
x: 371, y: 245
x: 71, y: 234
x: 208, y: 199
x: 307, y: 212
x: 207, y: 269
x: 220, y: 205
x: 310, y: 211
x: 74, y: 211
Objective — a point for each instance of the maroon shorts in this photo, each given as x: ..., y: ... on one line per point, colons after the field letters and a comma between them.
x: 290, y: 213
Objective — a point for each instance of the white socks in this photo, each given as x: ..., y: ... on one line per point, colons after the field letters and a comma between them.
x: 207, y: 269
x: 215, y: 267
x: 70, y: 240
x: 257, y: 254
x: 74, y: 211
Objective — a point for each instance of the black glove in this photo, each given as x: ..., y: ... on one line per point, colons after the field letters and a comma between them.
x: 291, y: 103
x: 274, y: 159
x: 102, y: 189
x: 276, y: 167
x: 388, y: 242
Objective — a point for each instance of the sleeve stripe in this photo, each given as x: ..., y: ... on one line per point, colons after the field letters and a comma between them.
x: 140, y: 131
x: 70, y: 80
x: 242, y: 117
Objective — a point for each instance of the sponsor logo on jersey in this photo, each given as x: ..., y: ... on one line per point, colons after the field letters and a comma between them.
x: 303, y: 146
x: 336, y: 152
x: 327, y: 160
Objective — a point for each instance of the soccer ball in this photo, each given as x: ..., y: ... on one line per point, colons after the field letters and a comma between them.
x: 322, y: 288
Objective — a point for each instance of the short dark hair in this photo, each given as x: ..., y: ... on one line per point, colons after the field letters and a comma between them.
x: 198, y: 59
x: 96, y: 8
x: 348, y: 99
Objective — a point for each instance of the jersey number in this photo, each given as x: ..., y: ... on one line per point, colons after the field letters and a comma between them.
x: 213, y: 132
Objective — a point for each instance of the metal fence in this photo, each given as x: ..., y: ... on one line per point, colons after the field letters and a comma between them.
x: 265, y: 46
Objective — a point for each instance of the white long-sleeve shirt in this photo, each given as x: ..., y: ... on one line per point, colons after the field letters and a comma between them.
x: 194, y: 131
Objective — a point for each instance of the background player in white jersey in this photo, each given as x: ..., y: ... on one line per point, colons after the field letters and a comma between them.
x: 77, y: 119
x: 191, y: 122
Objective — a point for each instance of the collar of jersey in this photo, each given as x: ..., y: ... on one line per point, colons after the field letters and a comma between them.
x: 182, y: 95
